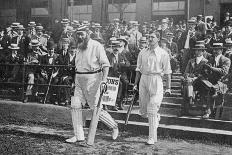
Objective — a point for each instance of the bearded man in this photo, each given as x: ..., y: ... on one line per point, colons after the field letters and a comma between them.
x: 91, y: 70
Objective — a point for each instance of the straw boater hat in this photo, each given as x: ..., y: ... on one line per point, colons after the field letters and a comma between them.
x: 217, y: 46
x: 31, y: 24
x: 75, y: 23
x: 85, y: 22
x: 20, y: 27
x: 228, y: 42
x: 115, y: 43
x: 165, y: 20
x: 13, y: 47
x: 82, y: 28
x: 116, y: 20
x: 192, y: 20
x: 34, y: 43
x: 64, y: 21
x: 14, y: 25
x: 200, y: 45
x: 143, y: 40
x: 124, y: 39
x: 97, y: 25
x: 135, y: 23
x: 39, y: 28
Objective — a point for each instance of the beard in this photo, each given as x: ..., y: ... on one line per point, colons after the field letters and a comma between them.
x: 82, y: 43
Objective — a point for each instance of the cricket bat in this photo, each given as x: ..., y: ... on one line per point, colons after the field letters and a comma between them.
x: 95, y: 116
x: 130, y: 107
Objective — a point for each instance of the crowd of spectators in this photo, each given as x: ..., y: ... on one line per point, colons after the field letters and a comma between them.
x: 32, y: 44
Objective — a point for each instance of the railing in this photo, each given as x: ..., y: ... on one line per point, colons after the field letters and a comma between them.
x: 22, y: 84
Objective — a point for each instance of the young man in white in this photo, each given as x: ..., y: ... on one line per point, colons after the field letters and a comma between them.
x: 152, y: 63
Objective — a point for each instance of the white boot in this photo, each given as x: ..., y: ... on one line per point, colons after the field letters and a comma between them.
x: 77, y: 121
x: 106, y: 118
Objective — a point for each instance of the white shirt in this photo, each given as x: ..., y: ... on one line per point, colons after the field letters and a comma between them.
x: 198, y: 59
x: 217, y: 59
x: 71, y: 57
x: 156, y: 61
x: 91, y: 59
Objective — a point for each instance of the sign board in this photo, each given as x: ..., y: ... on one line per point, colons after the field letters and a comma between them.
x: 110, y: 96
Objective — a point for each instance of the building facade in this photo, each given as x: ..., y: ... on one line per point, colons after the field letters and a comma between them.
x: 102, y: 11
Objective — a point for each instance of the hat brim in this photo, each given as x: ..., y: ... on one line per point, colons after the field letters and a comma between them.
x: 15, y: 48
x: 33, y: 45
x: 119, y: 39
x: 64, y: 22
x: 202, y: 48
x: 29, y: 25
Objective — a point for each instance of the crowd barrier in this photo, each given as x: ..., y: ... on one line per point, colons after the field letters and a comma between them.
x: 21, y: 85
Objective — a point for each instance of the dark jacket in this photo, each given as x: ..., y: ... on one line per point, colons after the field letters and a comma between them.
x: 193, y: 69
x: 219, y: 71
x: 119, y: 68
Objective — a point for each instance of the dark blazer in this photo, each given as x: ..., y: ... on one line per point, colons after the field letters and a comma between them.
x: 119, y: 68
x: 65, y: 60
x: 219, y: 71
x: 173, y: 47
x: 194, y: 69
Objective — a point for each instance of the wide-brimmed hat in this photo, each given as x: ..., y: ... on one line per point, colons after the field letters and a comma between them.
x: 31, y: 24
x: 228, y: 42
x: 115, y: 43
x: 64, y: 21
x: 75, y: 23
x: 124, y: 39
x: 39, y: 28
x: 217, y: 46
x: 143, y: 40
x: 14, y: 25
x: 85, y: 22
x: 20, y: 27
x: 192, y: 20
x: 13, y: 47
x: 97, y: 25
x: 165, y: 20
x: 116, y: 20
x: 82, y: 28
x: 51, y: 45
x: 199, y: 46
x: 34, y: 42
x: 133, y: 22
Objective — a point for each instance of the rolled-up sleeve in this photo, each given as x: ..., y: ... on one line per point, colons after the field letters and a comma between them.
x: 139, y: 63
x: 166, y: 64
x: 101, y: 53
